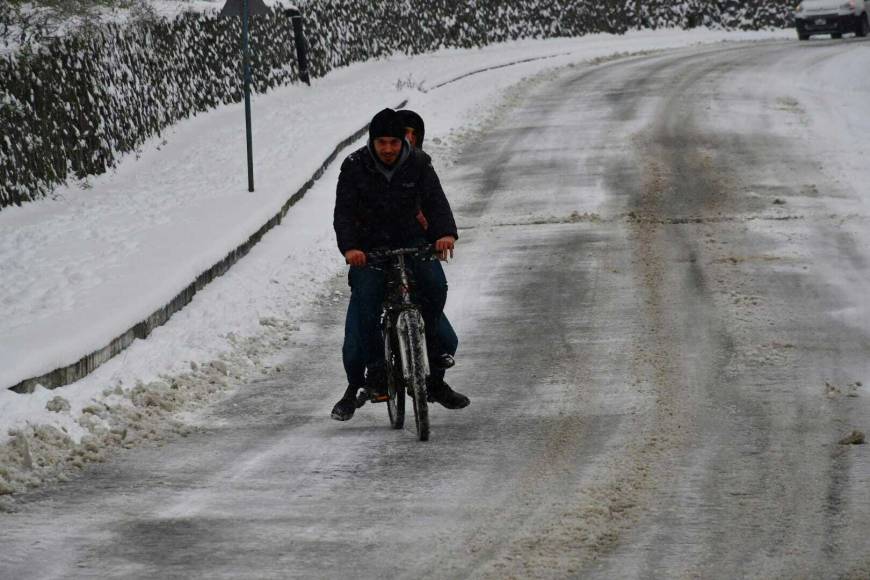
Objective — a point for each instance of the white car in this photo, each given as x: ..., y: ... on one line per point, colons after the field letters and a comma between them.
x: 834, y: 17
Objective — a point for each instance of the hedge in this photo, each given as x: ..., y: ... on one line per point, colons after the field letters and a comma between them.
x: 74, y: 106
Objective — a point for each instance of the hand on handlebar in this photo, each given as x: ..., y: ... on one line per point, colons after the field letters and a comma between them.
x: 355, y: 258
x: 444, y: 247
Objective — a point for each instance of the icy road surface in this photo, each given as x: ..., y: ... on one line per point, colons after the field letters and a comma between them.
x: 660, y: 292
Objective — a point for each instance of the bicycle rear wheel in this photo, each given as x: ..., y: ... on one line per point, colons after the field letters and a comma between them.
x: 415, y: 367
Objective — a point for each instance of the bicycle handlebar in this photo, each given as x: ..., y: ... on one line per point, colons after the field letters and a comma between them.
x: 383, y: 255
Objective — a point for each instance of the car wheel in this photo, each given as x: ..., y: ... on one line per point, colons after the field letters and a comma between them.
x: 803, y: 36
x: 863, y: 26
x: 837, y: 35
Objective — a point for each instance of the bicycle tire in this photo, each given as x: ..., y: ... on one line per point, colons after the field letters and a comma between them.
x: 395, y: 386
x: 415, y: 367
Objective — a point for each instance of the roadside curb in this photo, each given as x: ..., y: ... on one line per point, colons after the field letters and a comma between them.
x: 87, y: 364
x: 494, y: 67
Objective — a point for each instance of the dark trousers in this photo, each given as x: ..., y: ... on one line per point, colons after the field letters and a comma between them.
x: 363, y: 346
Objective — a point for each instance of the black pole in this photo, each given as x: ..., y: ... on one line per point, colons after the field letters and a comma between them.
x: 301, y: 45
x: 247, y: 73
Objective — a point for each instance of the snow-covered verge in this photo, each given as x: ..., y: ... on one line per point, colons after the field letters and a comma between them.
x: 100, y: 256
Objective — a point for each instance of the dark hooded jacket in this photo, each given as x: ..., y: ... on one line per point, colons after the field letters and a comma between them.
x: 376, y: 206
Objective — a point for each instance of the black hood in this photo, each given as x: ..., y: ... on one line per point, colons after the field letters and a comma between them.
x: 415, y: 121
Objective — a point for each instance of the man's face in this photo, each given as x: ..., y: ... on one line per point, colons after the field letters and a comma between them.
x: 388, y: 149
x: 411, y: 136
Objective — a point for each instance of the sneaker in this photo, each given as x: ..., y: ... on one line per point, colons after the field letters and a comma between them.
x: 440, y: 392
x: 345, y: 408
x: 442, y: 361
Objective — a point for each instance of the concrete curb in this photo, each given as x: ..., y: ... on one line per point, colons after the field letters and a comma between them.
x: 495, y: 67
x: 87, y: 364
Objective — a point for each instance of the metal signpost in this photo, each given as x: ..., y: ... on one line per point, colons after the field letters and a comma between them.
x: 245, y: 8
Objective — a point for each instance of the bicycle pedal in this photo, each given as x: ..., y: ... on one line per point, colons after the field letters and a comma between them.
x: 380, y: 398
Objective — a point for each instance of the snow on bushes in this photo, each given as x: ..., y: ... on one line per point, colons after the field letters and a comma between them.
x: 72, y: 106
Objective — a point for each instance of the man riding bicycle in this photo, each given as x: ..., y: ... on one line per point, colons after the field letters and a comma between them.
x: 380, y: 189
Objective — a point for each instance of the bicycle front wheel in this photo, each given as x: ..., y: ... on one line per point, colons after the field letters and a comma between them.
x: 415, y: 367
x: 395, y: 386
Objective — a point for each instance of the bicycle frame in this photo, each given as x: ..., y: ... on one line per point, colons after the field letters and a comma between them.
x: 404, y: 337
x: 401, y: 313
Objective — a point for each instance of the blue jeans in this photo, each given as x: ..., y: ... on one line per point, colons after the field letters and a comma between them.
x: 363, y: 346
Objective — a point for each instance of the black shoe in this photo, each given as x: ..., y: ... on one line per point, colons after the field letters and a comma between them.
x: 440, y: 392
x: 376, y: 381
x: 345, y: 408
x: 442, y: 361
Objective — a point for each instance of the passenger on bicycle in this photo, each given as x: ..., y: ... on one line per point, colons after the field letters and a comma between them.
x: 415, y: 131
x: 380, y: 188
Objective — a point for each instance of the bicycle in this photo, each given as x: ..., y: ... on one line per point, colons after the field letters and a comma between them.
x: 403, y: 332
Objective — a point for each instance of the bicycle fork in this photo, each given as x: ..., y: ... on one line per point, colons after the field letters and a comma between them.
x: 410, y: 327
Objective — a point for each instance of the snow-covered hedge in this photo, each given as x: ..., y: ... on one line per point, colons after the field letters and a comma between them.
x: 724, y: 14
x: 73, y: 106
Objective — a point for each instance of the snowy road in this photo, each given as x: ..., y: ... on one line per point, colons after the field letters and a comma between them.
x: 662, y: 332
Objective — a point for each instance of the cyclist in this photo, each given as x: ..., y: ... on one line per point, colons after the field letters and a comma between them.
x: 375, y: 375
x: 380, y: 188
